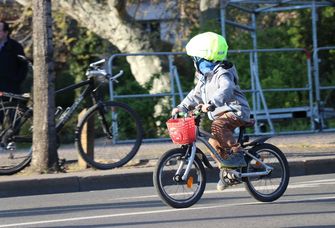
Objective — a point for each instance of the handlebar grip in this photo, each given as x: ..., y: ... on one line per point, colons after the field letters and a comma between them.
x: 117, y: 75
x: 97, y: 63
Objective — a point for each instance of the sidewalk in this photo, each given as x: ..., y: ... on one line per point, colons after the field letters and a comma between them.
x: 307, y: 154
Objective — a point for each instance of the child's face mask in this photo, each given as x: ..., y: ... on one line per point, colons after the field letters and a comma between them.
x: 203, y: 66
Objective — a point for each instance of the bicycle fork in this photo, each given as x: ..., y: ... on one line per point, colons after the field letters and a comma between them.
x: 235, y: 173
x: 190, y: 159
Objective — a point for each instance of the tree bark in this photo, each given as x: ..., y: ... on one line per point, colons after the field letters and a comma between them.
x: 210, y: 14
x: 45, y: 156
x: 108, y: 19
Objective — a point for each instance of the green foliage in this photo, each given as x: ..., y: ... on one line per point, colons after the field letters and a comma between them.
x: 292, y: 29
x: 186, y: 72
x: 326, y: 34
x: 78, y: 47
x: 292, y: 125
x: 75, y: 48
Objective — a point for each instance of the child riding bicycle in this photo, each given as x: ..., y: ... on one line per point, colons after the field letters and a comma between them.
x: 217, y: 87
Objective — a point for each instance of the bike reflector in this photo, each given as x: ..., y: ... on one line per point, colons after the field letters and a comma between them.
x: 182, y: 130
x: 189, y: 182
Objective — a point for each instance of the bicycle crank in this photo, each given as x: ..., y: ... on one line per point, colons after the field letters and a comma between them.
x: 229, y: 177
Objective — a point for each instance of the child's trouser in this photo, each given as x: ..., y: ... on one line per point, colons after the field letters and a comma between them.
x: 222, y: 129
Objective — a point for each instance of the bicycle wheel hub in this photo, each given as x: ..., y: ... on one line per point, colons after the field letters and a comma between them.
x: 177, y: 178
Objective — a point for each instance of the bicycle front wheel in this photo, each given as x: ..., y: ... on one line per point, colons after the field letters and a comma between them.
x: 109, y: 135
x: 168, y: 181
x: 15, y: 138
x: 272, y: 186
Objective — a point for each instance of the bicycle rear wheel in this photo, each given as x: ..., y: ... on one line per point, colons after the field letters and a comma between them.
x: 170, y: 187
x: 15, y: 138
x: 114, y: 137
x: 272, y: 186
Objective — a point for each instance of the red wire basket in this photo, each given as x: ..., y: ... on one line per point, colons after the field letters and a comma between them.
x: 182, y: 130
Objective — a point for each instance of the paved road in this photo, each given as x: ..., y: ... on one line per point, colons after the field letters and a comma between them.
x: 307, y: 154
x: 308, y: 202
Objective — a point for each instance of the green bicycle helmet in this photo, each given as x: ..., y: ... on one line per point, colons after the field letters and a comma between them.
x: 208, y: 45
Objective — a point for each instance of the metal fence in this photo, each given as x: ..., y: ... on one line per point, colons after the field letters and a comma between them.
x: 322, y: 112
x: 260, y: 111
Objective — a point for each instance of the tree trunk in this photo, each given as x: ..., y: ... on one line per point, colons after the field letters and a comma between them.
x: 210, y: 14
x: 45, y: 156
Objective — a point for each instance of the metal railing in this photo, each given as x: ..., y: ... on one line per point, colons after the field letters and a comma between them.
x: 258, y: 93
x: 320, y: 110
x: 174, y: 77
x: 256, y: 90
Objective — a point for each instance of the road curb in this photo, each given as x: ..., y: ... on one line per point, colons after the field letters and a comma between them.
x: 127, y: 178
x: 312, y: 166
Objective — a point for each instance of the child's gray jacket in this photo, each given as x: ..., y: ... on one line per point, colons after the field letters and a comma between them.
x: 220, y: 87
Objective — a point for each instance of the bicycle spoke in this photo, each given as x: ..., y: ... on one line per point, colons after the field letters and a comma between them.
x: 115, y: 134
x: 14, y: 154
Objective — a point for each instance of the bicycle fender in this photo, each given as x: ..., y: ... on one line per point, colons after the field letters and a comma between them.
x: 203, y: 158
x: 257, y: 141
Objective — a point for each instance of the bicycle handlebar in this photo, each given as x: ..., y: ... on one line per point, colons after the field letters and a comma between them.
x: 101, y: 72
x: 24, y: 97
x: 116, y: 76
x: 96, y: 64
x: 97, y: 71
x: 195, y: 112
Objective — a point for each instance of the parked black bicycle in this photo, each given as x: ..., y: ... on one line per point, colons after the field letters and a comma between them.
x: 180, y: 176
x: 113, y: 139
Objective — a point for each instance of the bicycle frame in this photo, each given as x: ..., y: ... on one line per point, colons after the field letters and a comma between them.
x: 67, y: 113
x: 90, y: 89
x: 17, y: 124
x: 203, y: 137
x: 180, y: 174
x: 13, y: 96
x: 70, y: 110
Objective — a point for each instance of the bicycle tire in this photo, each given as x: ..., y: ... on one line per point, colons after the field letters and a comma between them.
x: 121, y: 146
x: 15, y: 138
x: 162, y: 176
x: 272, y: 186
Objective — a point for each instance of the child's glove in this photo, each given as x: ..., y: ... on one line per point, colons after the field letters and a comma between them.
x: 206, y: 107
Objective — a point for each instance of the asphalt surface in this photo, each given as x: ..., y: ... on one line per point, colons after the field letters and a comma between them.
x: 308, y: 202
x: 307, y: 154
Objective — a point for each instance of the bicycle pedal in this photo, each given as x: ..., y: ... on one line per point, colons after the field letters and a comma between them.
x: 230, y: 176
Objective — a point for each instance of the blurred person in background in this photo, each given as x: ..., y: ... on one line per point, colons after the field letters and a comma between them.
x: 13, y: 69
